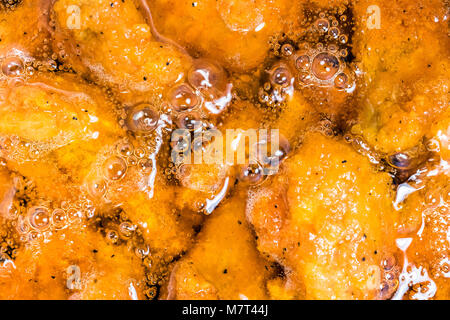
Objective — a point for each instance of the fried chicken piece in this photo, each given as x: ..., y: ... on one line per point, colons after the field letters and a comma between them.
x: 41, y: 237
x: 54, y: 109
x: 164, y: 228
x: 51, y: 128
x: 405, y: 85
x: 224, y: 263
x: 58, y: 131
x: 151, y: 229
x: 159, y: 231
x: 114, y: 45
x: 425, y: 224
x: 235, y: 33
x: 76, y: 263
x: 327, y: 219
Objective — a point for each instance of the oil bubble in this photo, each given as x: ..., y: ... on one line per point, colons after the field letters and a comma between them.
x: 325, y: 66
x: 34, y: 236
x: 303, y: 62
x: 287, y: 50
x: 115, y: 168
x: 271, y: 155
x: 97, y: 188
x: 145, y: 165
x: 305, y: 78
x: 334, y: 32
x: 206, y: 75
x: 332, y: 48
x: 281, y: 75
x: 59, y: 219
x: 112, y: 236
x: 132, y: 161
x: 142, y: 119
x: 183, y: 98
x: 139, y: 152
x: 388, y: 263
x: 39, y: 218
x: 190, y: 121
x: 343, y: 53
x: 12, y: 66
x: 400, y: 161
x: 252, y: 174
x: 343, y: 39
x: 142, y: 252
x: 341, y: 81
x: 322, y: 25
x: 125, y: 149
x: 126, y: 229
x: 74, y: 215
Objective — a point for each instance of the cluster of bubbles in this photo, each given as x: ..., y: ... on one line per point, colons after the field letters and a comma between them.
x: 437, y: 218
x: 35, y: 222
x: 326, y: 127
x: 117, y: 228
x: 206, y: 91
x: 145, y: 123
x: 266, y: 160
x: 40, y: 221
x: 279, y: 85
x: 319, y: 65
x: 304, y: 64
x: 390, y: 272
x: 115, y: 165
x: 17, y: 65
x: 194, y: 141
x: 9, y: 4
x: 323, y: 66
x: 21, y: 150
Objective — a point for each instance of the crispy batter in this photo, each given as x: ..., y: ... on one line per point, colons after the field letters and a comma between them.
x: 212, y: 269
x: 114, y: 45
x: 405, y: 88
x: 50, y: 270
x: 326, y: 219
